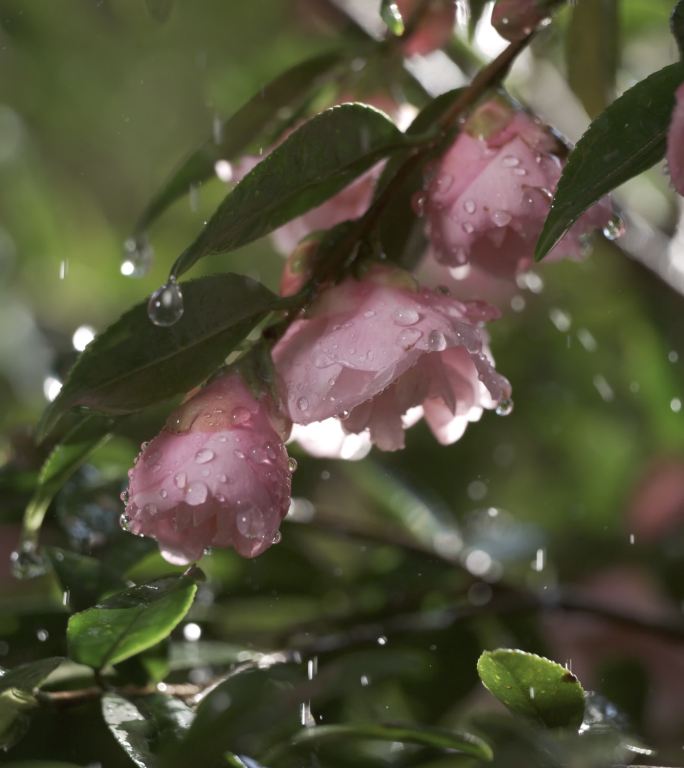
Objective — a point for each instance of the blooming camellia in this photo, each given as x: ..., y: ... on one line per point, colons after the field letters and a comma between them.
x: 675, y: 142
x: 216, y: 476
x: 489, y: 196
x: 379, y: 352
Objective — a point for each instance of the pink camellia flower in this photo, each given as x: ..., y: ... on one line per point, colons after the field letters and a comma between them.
x: 216, y: 476
x: 380, y: 352
x: 675, y: 142
x: 514, y: 19
x: 489, y: 196
x: 435, y: 28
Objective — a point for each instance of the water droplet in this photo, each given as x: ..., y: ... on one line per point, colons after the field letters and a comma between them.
x: 124, y: 496
x: 614, y: 229
x: 343, y: 415
x: 291, y: 464
x: 165, y: 306
x: 510, y: 161
x: 180, y: 480
x: 409, y: 337
x: 520, y: 172
x: 196, y: 493
x: 501, y: 218
x: 369, y: 313
x: 418, y: 203
x: 125, y: 522
x: 163, y: 493
x: 444, y: 182
x: 138, y: 256
x: 26, y: 563
x: 250, y: 522
x: 505, y: 407
x: 204, y: 456
x: 437, y: 341
x: 240, y: 415
x: 406, y: 317
x: 303, y: 404
x: 468, y: 228
x: 470, y: 206
x: 277, y: 538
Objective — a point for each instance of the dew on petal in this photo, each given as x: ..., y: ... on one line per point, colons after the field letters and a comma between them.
x: 501, y: 218
x: 240, y: 415
x: 180, y: 480
x: 409, y: 337
x: 204, y: 456
x: 437, y: 341
x: 406, y: 316
x: 196, y: 493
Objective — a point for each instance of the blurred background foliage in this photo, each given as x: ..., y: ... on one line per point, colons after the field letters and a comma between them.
x: 408, y: 564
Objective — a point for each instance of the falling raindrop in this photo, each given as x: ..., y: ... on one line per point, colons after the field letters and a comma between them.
x: 165, y: 306
x: 138, y: 256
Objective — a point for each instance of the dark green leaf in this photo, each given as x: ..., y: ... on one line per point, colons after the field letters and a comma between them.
x: 84, y: 578
x: 259, y: 119
x: 134, y: 363
x: 592, y: 52
x: 626, y: 139
x: 159, y: 10
x: 17, y: 699
x: 401, y: 231
x: 316, y: 161
x: 677, y: 26
x: 144, y: 726
x: 63, y: 461
x: 533, y: 686
x: 436, y: 738
x: 39, y: 764
x: 129, y: 622
x: 391, y: 15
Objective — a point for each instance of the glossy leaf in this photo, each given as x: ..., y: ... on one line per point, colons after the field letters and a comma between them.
x: 134, y: 363
x: 626, y: 139
x: 316, y: 161
x: 129, y: 622
x: 66, y: 457
x: 259, y: 119
x: 533, y: 686
x: 146, y: 725
x: 435, y: 738
x: 592, y: 52
x: 16, y: 697
x: 85, y: 579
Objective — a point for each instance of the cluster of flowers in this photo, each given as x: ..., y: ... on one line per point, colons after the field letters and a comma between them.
x: 371, y: 356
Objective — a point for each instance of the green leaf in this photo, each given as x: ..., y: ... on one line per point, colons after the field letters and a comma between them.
x: 592, y: 52
x: 262, y: 118
x: 17, y: 699
x: 62, y: 462
x: 533, y: 686
x: 129, y: 622
x: 84, y: 578
x: 134, y: 363
x: 677, y: 26
x: 402, y: 232
x: 626, y: 139
x: 159, y: 10
x: 435, y: 738
x: 40, y: 764
x: 315, y: 162
x: 391, y: 15
x: 143, y: 727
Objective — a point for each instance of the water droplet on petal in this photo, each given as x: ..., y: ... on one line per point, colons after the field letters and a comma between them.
x: 510, y: 161
x: 406, y: 317
x: 505, y: 407
x: 468, y: 228
x: 180, y: 480
x: 204, y: 456
x: 250, y: 521
x: 470, y: 206
x: 501, y: 218
x: 291, y: 464
x: 240, y: 415
x: 303, y: 404
x: 196, y: 493
x: 614, y: 229
x: 277, y: 538
x: 125, y: 522
x: 165, y: 306
x: 409, y: 338
x: 444, y: 182
x: 437, y: 341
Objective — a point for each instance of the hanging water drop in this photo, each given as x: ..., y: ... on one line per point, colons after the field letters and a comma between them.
x: 505, y: 407
x: 291, y: 464
x: 138, y: 256
x: 165, y: 306
x: 125, y: 522
x: 614, y: 229
x: 26, y: 563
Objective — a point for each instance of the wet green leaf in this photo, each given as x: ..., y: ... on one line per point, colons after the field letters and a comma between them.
x: 624, y: 140
x: 129, y: 622
x: 316, y: 161
x: 133, y: 363
x: 533, y: 686
x: 391, y: 15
